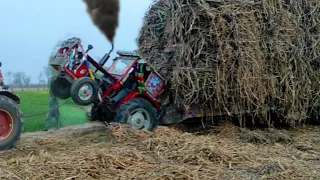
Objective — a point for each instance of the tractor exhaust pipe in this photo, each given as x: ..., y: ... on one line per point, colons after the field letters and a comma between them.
x: 105, y: 58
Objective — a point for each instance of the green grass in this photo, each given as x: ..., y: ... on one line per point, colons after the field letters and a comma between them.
x: 34, y: 105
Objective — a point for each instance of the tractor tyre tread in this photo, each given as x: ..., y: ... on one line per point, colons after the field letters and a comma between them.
x: 95, y: 114
x: 55, y: 86
x: 18, y: 123
x: 122, y: 112
x: 75, y: 87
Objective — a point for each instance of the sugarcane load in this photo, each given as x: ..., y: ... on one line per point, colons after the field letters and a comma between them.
x: 203, y: 58
x: 235, y: 57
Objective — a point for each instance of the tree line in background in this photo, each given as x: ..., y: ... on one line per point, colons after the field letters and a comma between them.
x: 20, y: 80
x: 23, y: 81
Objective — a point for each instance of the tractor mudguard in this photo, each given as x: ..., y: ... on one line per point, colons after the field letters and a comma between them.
x: 11, y: 95
x: 136, y: 93
x: 129, y: 96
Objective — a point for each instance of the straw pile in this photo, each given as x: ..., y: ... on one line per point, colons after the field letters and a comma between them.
x: 236, y: 56
x: 123, y: 153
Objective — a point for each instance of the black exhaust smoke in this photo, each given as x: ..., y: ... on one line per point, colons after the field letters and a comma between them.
x: 105, y: 15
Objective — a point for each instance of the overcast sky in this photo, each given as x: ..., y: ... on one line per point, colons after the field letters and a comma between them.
x: 30, y: 29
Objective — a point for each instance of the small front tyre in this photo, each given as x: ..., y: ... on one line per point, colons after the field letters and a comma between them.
x: 138, y: 113
x: 11, y: 123
x: 84, y: 91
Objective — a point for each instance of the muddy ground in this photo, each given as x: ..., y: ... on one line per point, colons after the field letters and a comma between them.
x: 94, y: 151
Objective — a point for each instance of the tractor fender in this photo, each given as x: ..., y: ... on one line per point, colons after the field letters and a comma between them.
x: 11, y: 95
x: 129, y: 96
x: 135, y: 93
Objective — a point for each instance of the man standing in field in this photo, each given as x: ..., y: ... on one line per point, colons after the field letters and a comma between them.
x: 53, y: 112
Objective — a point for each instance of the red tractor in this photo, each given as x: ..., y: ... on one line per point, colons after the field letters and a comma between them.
x: 128, y: 92
x: 119, y: 93
x: 11, y: 121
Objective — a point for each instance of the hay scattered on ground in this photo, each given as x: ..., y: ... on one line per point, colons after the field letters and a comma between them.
x: 169, y: 153
x: 238, y: 56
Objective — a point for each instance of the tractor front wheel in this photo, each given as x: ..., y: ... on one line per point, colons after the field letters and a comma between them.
x: 60, y: 87
x: 138, y: 113
x: 84, y: 91
x: 11, y: 123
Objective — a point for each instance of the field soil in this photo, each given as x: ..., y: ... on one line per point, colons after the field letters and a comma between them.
x: 95, y: 151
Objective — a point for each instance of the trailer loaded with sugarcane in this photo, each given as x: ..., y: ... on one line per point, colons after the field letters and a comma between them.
x: 259, y: 58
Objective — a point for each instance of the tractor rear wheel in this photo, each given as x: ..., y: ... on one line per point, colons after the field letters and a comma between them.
x: 60, y: 87
x: 138, y: 113
x: 84, y: 91
x: 11, y: 123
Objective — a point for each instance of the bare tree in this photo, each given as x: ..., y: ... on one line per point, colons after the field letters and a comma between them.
x: 18, y: 79
x: 9, y: 76
x: 26, y: 80
x: 40, y: 79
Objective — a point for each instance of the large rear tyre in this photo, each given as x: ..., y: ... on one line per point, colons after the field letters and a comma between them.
x: 84, y: 91
x: 138, y: 113
x: 11, y: 123
x: 60, y: 87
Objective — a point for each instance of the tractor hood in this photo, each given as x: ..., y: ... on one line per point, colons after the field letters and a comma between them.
x: 60, y: 55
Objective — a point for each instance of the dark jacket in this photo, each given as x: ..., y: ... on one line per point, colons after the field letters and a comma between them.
x: 130, y: 84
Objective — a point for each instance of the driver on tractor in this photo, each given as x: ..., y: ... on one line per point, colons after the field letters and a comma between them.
x: 128, y: 85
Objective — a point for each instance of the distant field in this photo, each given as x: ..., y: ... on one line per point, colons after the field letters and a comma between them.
x: 34, y: 105
x: 25, y: 89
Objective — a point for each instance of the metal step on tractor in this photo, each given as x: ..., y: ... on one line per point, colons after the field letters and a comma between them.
x: 11, y: 120
x: 127, y: 92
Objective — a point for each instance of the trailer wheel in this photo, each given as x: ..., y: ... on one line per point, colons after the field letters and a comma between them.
x: 138, y: 113
x: 84, y: 91
x: 11, y: 123
x: 60, y: 87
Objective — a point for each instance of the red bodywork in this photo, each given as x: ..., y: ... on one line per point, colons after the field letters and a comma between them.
x: 81, y: 71
x: 151, y: 92
x: 61, y: 63
x: 1, y: 79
